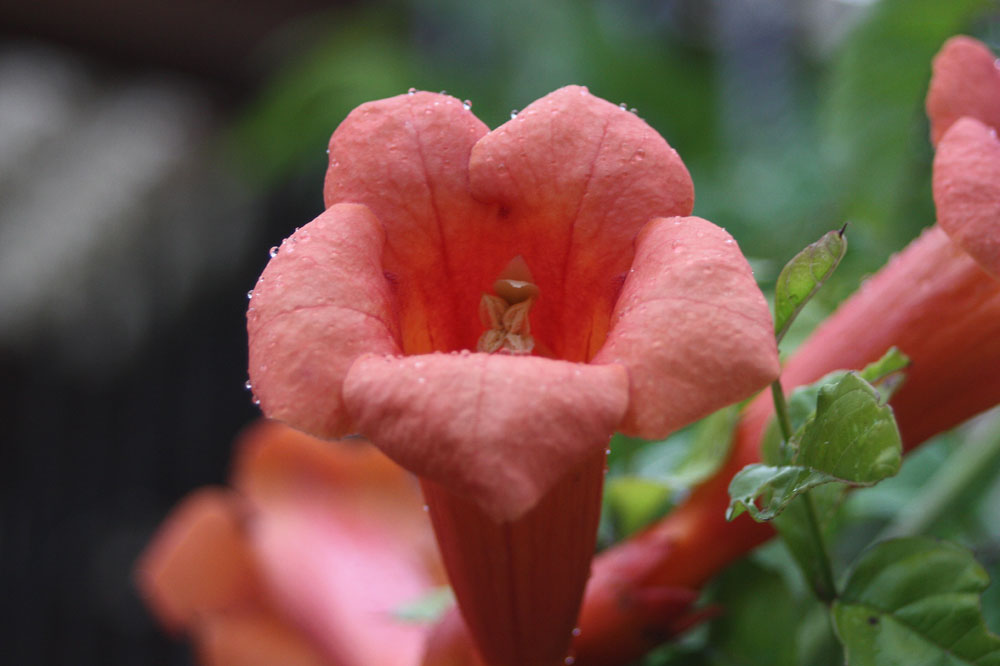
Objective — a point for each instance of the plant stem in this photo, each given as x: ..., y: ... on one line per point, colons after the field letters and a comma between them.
x: 826, y: 588
x: 781, y: 409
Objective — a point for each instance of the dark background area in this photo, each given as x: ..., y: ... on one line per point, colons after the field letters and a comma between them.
x: 151, y: 152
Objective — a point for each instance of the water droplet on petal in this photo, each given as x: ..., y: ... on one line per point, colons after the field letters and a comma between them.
x: 467, y: 104
x: 569, y: 661
x: 576, y: 632
x: 411, y: 91
x: 622, y: 106
x: 513, y: 114
x: 250, y: 294
x: 248, y: 385
x: 634, y: 110
x: 426, y: 508
x: 273, y: 251
x: 444, y: 92
x: 256, y: 401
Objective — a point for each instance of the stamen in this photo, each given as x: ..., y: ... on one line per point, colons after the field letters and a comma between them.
x: 505, y: 316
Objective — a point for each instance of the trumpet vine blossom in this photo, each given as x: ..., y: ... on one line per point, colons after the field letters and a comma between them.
x: 938, y: 301
x: 488, y: 308
x: 308, y: 560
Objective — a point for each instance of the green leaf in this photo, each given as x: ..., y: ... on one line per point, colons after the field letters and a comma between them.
x: 713, y: 438
x: 886, y: 375
x: 916, y: 601
x: 803, y: 276
x: 853, y: 436
x: 764, y: 491
x: 634, y: 502
x: 428, y: 608
x: 852, y: 439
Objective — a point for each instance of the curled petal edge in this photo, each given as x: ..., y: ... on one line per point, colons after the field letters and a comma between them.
x: 967, y: 191
x: 321, y: 302
x: 691, y: 327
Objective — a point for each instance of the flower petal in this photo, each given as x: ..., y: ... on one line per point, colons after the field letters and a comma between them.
x: 277, y: 466
x: 691, y: 327
x: 252, y: 639
x: 322, y: 301
x: 965, y: 82
x: 199, y: 562
x: 499, y: 430
x: 406, y: 159
x: 339, y: 576
x: 967, y: 190
x: 576, y: 178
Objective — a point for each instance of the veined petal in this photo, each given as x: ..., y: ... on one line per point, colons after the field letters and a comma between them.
x: 499, y: 430
x: 576, y: 178
x: 320, y: 303
x: 965, y: 82
x: 691, y: 327
x: 406, y: 158
x: 967, y: 190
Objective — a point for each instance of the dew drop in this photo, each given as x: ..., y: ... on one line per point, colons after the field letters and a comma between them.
x: 256, y: 401
x: 426, y: 508
x: 327, y: 151
x: 411, y: 91
x: 622, y: 106
x: 467, y: 104
x: 273, y: 251
x: 607, y: 452
x: 444, y: 92
x: 248, y: 385
x: 569, y: 660
x: 250, y: 294
x: 513, y: 114
x: 576, y: 632
x: 634, y: 110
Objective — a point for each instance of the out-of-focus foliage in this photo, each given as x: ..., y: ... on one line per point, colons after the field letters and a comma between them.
x: 793, y: 117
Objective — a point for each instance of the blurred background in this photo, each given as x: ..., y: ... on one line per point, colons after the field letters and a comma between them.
x: 151, y: 153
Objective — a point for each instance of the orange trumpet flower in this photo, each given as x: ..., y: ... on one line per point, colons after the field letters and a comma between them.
x: 938, y: 301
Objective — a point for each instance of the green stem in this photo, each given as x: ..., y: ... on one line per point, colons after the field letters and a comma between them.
x: 781, y: 409
x: 826, y: 588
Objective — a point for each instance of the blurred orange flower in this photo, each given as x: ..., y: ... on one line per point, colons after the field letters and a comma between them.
x: 307, y: 560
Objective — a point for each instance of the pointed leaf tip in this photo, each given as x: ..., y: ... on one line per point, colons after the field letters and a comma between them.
x: 802, y: 277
